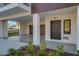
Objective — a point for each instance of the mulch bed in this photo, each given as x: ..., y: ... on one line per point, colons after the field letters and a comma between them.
x: 36, y: 52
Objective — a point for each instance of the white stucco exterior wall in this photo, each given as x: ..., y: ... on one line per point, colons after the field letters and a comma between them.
x: 24, y: 25
x: 62, y: 17
x: 70, y: 15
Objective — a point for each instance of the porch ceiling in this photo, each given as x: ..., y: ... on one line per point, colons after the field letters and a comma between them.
x: 23, y: 18
x: 15, y: 10
x: 59, y: 11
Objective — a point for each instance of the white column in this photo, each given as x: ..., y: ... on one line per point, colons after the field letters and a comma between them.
x: 77, y: 28
x: 22, y: 27
x: 36, y: 29
x: 47, y: 29
x: 3, y: 29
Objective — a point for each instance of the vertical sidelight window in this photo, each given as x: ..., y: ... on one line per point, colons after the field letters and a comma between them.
x: 67, y: 26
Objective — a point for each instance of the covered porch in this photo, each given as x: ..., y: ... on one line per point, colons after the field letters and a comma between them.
x: 53, y: 29
x: 41, y: 26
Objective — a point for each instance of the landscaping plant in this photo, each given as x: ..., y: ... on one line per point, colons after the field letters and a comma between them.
x: 23, y: 48
x: 18, y: 53
x: 77, y: 52
x: 42, y: 49
x: 60, y: 49
x: 52, y: 53
x: 12, y: 51
x: 30, y: 47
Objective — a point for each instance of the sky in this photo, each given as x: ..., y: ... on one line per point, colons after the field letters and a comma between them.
x: 12, y: 22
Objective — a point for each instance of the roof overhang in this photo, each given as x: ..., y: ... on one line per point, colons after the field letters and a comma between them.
x: 14, y: 10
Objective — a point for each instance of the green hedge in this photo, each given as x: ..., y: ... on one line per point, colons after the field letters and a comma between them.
x: 13, y: 33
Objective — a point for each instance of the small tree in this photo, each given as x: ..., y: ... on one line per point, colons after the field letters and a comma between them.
x: 30, y: 47
x: 42, y: 48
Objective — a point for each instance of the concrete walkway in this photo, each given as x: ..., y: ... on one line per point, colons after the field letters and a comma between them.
x: 11, y: 42
x: 14, y: 42
x: 67, y: 46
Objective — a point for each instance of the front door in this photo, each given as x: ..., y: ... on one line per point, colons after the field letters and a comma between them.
x: 56, y: 29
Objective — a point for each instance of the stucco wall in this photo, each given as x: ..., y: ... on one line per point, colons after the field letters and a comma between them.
x: 62, y: 17
x: 46, y: 21
x: 31, y: 23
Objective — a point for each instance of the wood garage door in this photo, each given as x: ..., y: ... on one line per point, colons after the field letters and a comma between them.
x: 56, y: 29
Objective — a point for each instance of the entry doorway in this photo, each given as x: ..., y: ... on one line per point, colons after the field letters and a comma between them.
x: 55, y: 29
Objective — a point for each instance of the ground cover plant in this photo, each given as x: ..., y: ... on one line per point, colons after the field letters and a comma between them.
x: 41, y: 50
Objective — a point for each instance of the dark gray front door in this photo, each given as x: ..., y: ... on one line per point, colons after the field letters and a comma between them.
x: 56, y: 29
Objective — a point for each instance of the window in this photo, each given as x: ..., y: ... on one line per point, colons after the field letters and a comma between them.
x: 67, y: 26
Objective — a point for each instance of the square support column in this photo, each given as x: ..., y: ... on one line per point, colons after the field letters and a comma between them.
x: 22, y: 27
x: 77, y: 28
x: 3, y: 29
x: 36, y: 29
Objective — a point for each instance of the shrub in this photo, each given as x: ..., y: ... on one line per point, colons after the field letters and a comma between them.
x: 77, y: 52
x: 11, y: 51
x: 30, y: 48
x: 42, y: 48
x: 60, y: 49
x: 23, y: 48
x: 53, y: 53
x: 18, y: 53
x: 49, y: 53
